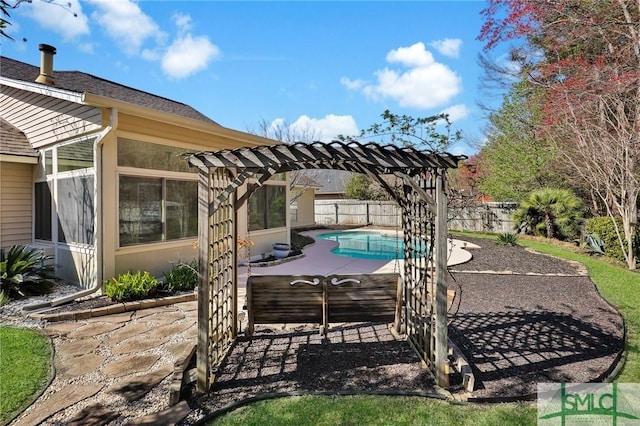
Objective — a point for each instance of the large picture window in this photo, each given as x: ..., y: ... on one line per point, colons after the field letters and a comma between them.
x: 157, y: 209
x: 268, y: 207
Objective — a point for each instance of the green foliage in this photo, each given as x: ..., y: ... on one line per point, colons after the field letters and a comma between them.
x: 359, y: 188
x: 299, y: 241
x: 182, y: 276
x: 515, y: 160
x: 24, y: 272
x: 129, y: 286
x: 24, y: 368
x: 4, y: 299
x: 420, y: 133
x: 507, y: 239
x: 551, y: 212
x: 604, y: 228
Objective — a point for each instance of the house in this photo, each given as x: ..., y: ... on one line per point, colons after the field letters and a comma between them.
x: 92, y: 172
x: 302, y: 202
x: 333, y: 183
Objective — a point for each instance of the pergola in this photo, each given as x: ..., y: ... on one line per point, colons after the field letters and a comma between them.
x: 423, y: 202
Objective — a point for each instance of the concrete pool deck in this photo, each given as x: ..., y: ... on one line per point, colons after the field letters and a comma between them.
x: 318, y: 259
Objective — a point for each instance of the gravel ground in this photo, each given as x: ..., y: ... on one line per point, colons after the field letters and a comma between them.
x: 518, y: 316
x: 12, y: 313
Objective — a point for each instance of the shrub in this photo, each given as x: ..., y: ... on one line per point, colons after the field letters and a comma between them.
x: 603, y: 227
x: 507, y: 239
x: 23, y: 272
x: 182, y: 276
x: 131, y: 286
x: 299, y: 241
x: 554, y: 213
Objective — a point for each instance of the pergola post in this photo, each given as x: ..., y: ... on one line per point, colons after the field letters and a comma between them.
x: 441, y: 346
x: 204, y: 273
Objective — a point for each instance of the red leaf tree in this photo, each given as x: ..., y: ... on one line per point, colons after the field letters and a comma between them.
x: 585, y: 56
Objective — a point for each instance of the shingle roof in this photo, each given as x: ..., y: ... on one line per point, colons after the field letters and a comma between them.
x: 332, y: 181
x: 14, y: 142
x: 80, y: 82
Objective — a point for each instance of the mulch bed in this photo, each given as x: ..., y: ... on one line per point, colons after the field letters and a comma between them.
x: 515, y: 329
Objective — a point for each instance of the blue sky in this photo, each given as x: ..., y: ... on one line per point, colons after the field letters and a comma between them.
x: 331, y: 67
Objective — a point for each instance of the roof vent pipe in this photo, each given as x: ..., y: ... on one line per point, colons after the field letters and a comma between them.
x: 46, y: 65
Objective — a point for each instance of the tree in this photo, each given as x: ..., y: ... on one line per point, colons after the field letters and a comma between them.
x: 6, y: 5
x: 555, y: 213
x: 359, y: 188
x: 283, y: 131
x: 584, y: 56
x: 420, y: 133
x: 516, y: 159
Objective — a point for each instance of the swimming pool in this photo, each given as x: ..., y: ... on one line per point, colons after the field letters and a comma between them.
x: 366, y: 245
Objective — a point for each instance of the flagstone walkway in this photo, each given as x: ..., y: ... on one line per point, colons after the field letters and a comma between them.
x: 116, y: 366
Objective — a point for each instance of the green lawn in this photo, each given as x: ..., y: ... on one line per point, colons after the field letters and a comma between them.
x: 374, y: 410
x: 25, y: 367
x: 618, y: 285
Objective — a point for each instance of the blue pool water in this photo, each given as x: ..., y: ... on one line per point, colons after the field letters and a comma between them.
x: 366, y: 245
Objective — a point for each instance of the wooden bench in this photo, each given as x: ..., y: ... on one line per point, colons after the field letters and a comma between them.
x: 316, y: 299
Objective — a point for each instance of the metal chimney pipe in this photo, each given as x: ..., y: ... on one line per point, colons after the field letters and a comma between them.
x: 46, y: 65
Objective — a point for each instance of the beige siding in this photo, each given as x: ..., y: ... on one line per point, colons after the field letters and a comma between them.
x: 155, y: 258
x: 306, y: 209
x: 158, y: 132
x: 15, y: 203
x: 45, y: 120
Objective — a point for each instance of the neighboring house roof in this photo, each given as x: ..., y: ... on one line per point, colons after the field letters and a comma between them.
x: 14, y: 142
x: 300, y: 179
x: 332, y: 181
x: 76, y: 81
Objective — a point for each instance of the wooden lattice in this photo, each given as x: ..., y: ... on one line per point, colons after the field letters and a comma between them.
x: 217, y: 294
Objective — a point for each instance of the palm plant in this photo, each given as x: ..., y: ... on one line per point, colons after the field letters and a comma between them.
x: 555, y: 213
x: 24, y: 272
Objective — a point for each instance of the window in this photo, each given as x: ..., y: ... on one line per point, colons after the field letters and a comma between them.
x: 267, y: 207
x: 42, y: 219
x: 181, y: 209
x: 75, y: 210
x: 157, y: 209
x: 145, y: 155
x: 75, y: 156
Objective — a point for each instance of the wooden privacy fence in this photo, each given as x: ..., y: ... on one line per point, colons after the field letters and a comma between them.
x: 318, y: 299
x: 485, y: 217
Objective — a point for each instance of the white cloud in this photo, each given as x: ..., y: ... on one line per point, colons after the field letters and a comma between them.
x: 126, y: 23
x: 86, y: 48
x: 423, y: 83
x: 183, y: 22
x: 65, y: 18
x: 448, y: 47
x: 325, y: 129
x: 352, y: 84
x: 457, y: 112
x: 187, y: 54
x: 413, y: 56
